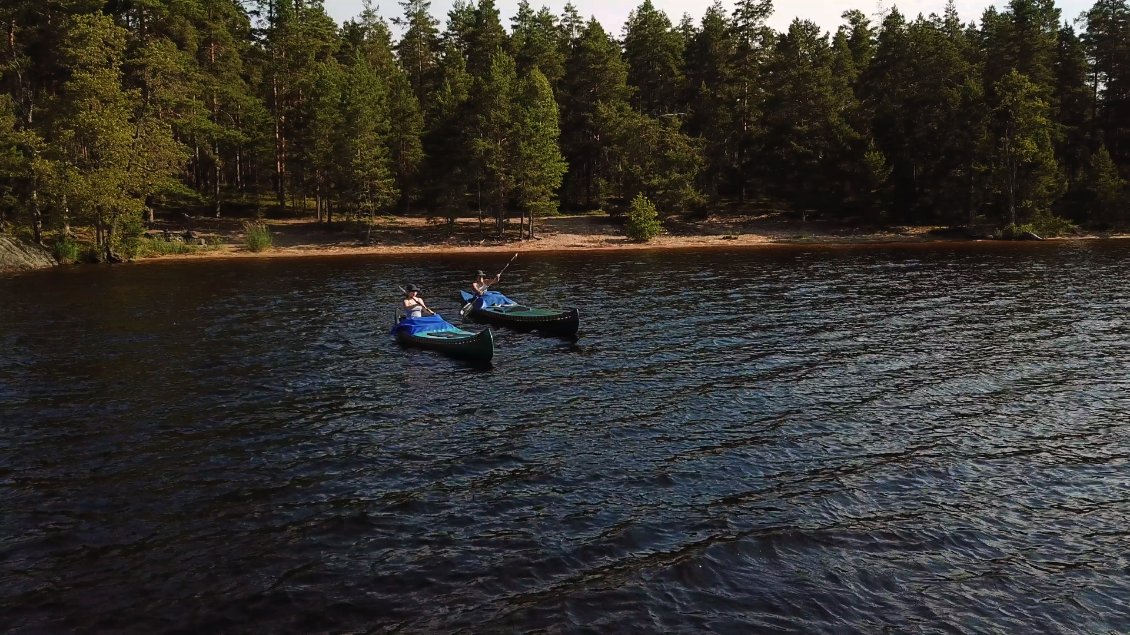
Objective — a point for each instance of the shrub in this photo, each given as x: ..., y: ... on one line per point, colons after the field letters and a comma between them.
x: 258, y: 236
x: 125, y: 239
x: 67, y: 250
x: 1049, y: 226
x: 643, y: 220
x: 157, y: 247
x: 1042, y: 225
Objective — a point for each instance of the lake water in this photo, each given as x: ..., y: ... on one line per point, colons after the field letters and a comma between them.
x: 786, y: 439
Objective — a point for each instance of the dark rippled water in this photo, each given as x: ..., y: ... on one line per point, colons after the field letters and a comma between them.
x: 853, y: 440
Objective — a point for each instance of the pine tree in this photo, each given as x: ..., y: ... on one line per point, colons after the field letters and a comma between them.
x: 1108, y: 31
x: 493, y: 139
x: 448, y: 157
x: 653, y: 51
x: 404, y: 140
x: 419, y: 49
x: 113, y: 153
x: 538, y: 164
x: 1026, y: 173
x: 805, y: 127
x: 485, y: 39
x: 1071, y: 104
x: 755, y: 43
x: 329, y: 134
x: 1023, y: 39
x: 595, y: 76
x: 23, y: 170
x: 651, y: 156
x: 710, y: 84
x: 1107, y: 194
x: 538, y: 41
x: 371, y: 187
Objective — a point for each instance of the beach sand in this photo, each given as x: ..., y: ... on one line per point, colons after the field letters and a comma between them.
x: 594, y: 232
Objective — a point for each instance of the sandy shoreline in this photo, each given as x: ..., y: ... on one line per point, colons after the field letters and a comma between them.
x: 397, y: 236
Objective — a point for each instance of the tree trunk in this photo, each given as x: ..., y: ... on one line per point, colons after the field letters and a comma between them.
x: 318, y: 195
x: 280, y: 147
x: 36, y: 214
x: 66, y: 213
x: 216, y: 170
x: 1012, y: 195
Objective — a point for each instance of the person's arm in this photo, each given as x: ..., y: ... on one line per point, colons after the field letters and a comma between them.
x: 423, y: 306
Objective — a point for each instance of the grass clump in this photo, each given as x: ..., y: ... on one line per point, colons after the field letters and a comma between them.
x: 642, y: 223
x: 67, y: 250
x: 258, y: 236
x: 149, y: 247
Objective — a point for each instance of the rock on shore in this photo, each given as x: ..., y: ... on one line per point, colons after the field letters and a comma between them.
x: 16, y: 255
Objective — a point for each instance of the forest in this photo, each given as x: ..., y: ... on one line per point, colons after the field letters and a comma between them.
x: 112, y: 111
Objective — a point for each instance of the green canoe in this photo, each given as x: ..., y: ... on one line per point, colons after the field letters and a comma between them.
x: 449, y: 339
x: 559, y: 322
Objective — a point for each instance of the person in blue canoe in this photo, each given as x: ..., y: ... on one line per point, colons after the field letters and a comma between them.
x: 481, y: 284
x: 414, y: 305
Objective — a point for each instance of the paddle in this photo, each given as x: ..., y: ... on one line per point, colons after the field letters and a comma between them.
x: 467, y: 307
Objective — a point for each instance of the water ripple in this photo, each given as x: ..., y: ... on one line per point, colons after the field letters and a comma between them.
x: 804, y: 440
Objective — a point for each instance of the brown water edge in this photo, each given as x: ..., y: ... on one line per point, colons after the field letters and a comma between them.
x: 416, y: 236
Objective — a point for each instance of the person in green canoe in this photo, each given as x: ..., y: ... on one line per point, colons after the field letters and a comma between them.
x: 413, y: 304
x: 481, y: 284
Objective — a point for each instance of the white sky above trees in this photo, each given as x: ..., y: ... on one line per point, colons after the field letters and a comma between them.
x: 613, y: 13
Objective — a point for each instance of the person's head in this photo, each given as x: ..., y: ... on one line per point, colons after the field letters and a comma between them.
x: 481, y: 276
x: 411, y: 290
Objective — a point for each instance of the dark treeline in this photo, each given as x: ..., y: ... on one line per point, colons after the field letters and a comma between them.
x: 112, y: 108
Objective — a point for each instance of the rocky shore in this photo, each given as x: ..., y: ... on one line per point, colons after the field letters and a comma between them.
x: 16, y: 255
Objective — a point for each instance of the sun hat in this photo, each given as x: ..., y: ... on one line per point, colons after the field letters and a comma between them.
x: 411, y: 287
x: 480, y: 274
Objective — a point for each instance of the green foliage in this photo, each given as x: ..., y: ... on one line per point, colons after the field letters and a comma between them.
x: 111, y: 109
x: 492, y: 134
x: 126, y: 235
x: 642, y: 222
x: 67, y: 250
x: 1043, y: 225
x: 653, y: 157
x: 596, y: 79
x: 1026, y: 173
x: 257, y: 236
x: 149, y: 247
x: 539, y: 165
x: 1107, y: 192
x: 654, y: 53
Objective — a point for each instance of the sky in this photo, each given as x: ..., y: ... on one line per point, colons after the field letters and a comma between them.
x: 614, y: 13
